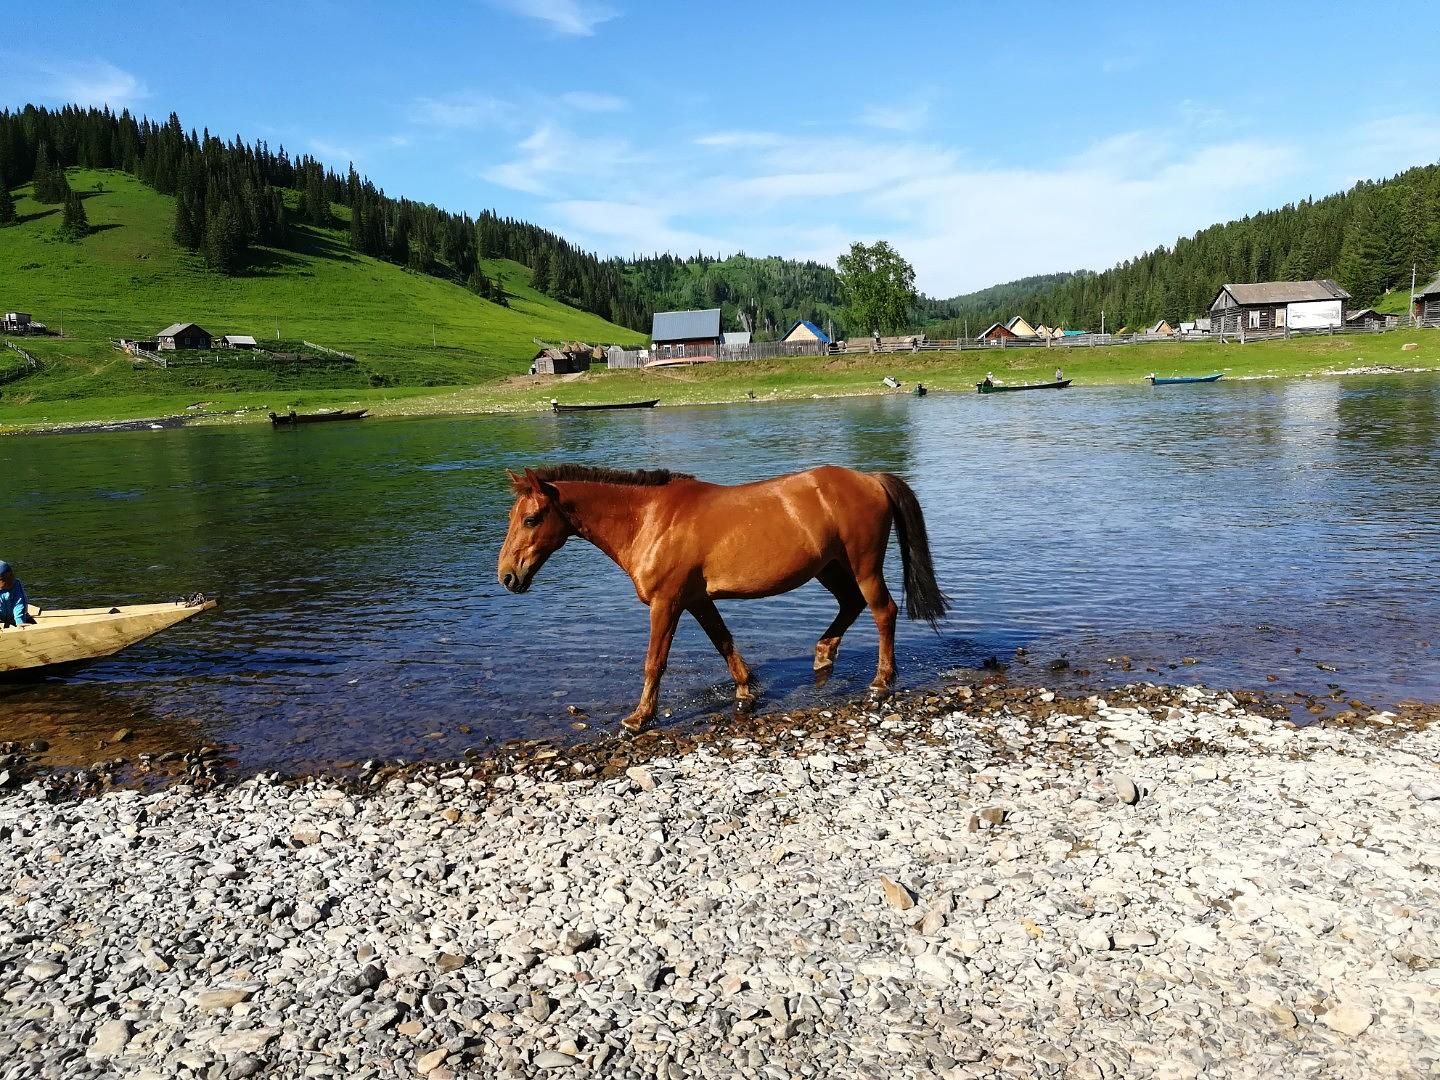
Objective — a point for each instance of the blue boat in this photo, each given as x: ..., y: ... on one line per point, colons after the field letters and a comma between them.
x: 1156, y: 380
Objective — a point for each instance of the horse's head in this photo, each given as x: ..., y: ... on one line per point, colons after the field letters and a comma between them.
x: 537, y: 530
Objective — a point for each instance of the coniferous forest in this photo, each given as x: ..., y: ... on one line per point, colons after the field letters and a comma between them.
x: 230, y: 198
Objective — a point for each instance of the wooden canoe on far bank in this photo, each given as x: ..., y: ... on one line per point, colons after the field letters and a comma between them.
x: 69, y: 636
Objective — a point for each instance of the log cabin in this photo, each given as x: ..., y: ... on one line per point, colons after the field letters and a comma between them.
x: 1263, y: 306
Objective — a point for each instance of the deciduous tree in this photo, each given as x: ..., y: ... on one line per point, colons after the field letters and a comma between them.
x: 879, y: 288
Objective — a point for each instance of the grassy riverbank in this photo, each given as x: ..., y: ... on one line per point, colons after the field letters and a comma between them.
x: 798, y: 378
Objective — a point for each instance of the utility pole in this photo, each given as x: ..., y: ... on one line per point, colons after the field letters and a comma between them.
x: 1413, y: 267
x: 1102, y: 322
x: 434, y: 343
x: 277, y: 327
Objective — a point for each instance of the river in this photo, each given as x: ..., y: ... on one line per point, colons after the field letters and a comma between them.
x: 1259, y: 529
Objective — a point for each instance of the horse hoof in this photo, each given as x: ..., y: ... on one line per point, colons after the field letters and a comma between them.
x: 745, y: 704
x: 633, y: 724
x: 822, y: 674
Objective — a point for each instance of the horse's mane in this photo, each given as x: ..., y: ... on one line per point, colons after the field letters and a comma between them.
x: 590, y: 474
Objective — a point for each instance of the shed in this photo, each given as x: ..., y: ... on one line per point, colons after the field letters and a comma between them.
x: 183, y: 336
x: 15, y: 322
x: 678, y: 334
x: 1367, y: 319
x: 1161, y: 329
x: 735, y: 339
x: 997, y: 332
x: 805, y: 331
x: 1020, y: 328
x: 1279, y: 305
x: 1426, y: 308
x: 238, y: 341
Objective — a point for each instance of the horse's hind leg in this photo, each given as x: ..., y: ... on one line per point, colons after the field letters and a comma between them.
x: 882, y: 606
x: 841, y: 582
x: 708, y: 616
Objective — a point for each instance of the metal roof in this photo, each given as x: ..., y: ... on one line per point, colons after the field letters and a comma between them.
x: 175, y: 328
x: 239, y: 339
x: 1430, y: 290
x: 735, y: 337
x: 685, y: 325
x: 820, y: 335
x: 1285, y: 292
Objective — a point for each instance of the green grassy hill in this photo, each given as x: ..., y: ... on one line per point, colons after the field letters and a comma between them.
x: 409, y: 332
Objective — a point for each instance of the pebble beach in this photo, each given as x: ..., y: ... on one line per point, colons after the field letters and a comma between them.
x: 961, y: 883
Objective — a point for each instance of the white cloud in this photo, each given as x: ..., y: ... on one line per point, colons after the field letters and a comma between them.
x: 965, y: 222
x: 459, y: 110
x: 574, y: 18
x: 552, y: 156
x: 909, y: 117
x: 740, y: 139
x: 592, y: 101
x: 93, y: 82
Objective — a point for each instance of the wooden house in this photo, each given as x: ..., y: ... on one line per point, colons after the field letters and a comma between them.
x: 182, y: 336
x: 1427, y: 304
x: 803, y: 332
x: 1367, y: 319
x: 997, y: 333
x: 561, y: 360
x: 238, y: 341
x: 1278, y: 305
x: 1161, y: 329
x: 685, y: 335
x: 1020, y: 328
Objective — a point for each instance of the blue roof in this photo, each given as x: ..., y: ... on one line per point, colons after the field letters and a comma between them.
x: 685, y: 325
x: 1074, y: 333
x: 820, y: 335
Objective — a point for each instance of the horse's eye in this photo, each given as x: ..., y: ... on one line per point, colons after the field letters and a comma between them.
x: 533, y: 520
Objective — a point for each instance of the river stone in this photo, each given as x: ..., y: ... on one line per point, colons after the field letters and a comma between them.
x: 1348, y: 1019
x: 42, y: 970
x: 428, y: 1062
x: 640, y: 777
x: 1425, y: 792
x: 214, y: 1000
x: 1095, y: 940
x: 110, y: 1039
x: 1126, y: 790
x: 554, y: 1059
x: 896, y: 895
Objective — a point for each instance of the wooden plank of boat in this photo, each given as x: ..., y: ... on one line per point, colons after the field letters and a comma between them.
x: 1157, y: 380
x: 559, y: 408
x: 67, y: 636
x: 995, y: 388
x: 292, y: 418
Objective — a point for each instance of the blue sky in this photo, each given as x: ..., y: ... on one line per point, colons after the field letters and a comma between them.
x: 985, y: 141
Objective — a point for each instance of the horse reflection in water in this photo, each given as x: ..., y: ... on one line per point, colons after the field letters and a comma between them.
x: 686, y: 543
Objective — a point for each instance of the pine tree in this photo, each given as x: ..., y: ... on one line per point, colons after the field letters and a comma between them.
x: 7, y: 205
x: 44, y: 171
x: 1363, y: 260
x: 57, y: 188
x: 540, y: 272
x: 224, y: 242
x: 74, y: 224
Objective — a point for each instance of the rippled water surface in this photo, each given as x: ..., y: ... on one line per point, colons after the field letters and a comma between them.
x: 1260, y: 528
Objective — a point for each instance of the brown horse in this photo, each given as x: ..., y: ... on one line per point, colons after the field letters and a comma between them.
x: 686, y: 543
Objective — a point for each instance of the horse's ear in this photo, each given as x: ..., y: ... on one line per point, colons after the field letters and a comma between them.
x: 518, y: 484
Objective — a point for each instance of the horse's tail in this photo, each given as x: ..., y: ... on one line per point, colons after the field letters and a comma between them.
x: 923, y: 598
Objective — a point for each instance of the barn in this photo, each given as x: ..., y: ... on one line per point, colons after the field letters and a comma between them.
x: 182, y: 336
x: 1262, y: 306
x: 1020, y: 328
x: 238, y: 341
x: 1161, y: 329
x: 685, y: 334
x: 562, y: 360
x: 1427, y: 304
x: 804, y: 332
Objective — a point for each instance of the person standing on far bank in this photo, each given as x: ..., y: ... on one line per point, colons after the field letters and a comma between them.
x: 13, y: 603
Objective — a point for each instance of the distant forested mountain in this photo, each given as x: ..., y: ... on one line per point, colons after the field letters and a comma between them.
x: 1367, y: 239
x: 977, y: 307
x: 765, y: 296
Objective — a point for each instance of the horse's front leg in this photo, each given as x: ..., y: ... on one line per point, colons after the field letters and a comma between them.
x: 664, y: 617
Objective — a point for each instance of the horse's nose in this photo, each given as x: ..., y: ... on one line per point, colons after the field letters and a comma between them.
x: 509, y: 580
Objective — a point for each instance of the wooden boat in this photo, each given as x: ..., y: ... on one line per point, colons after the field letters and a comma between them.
x: 603, y: 408
x: 292, y: 417
x: 72, y: 635
x: 1156, y: 380
x: 995, y: 388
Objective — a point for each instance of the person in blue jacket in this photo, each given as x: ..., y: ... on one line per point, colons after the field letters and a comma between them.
x: 12, y: 599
